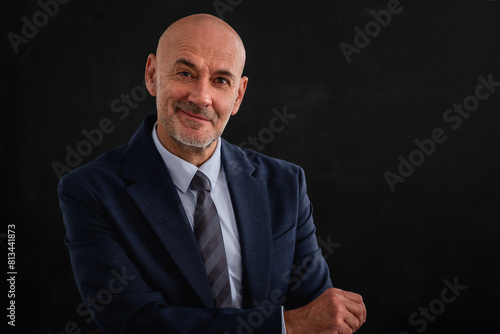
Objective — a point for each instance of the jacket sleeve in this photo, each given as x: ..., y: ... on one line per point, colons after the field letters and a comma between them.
x: 119, y: 299
x: 309, y: 275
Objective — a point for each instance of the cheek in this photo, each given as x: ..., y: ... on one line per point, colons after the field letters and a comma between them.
x: 224, y: 105
x: 170, y: 91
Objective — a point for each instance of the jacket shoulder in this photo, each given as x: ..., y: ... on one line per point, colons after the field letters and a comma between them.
x: 261, y: 163
x: 105, y: 167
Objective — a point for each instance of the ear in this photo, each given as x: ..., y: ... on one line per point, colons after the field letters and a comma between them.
x: 150, y: 75
x: 241, y: 92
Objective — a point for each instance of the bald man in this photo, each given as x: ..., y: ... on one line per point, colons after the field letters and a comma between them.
x: 181, y: 232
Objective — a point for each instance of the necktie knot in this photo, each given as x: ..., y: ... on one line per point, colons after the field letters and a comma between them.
x: 200, y: 181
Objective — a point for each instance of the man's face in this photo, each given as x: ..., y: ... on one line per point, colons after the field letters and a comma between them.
x: 198, y: 85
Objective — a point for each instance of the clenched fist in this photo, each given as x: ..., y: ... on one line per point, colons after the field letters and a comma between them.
x: 334, y: 312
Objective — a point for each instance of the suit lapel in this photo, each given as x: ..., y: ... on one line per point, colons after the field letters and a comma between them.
x: 155, y: 194
x: 251, y: 208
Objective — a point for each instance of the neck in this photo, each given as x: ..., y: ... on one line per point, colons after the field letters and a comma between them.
x: 192, y: 154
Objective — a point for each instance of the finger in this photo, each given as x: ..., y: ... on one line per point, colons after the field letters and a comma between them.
x: 357, y: 299
x: 351, y: 321
x: 356, y: 309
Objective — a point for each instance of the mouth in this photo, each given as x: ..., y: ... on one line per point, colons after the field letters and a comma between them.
x: 195, y: 117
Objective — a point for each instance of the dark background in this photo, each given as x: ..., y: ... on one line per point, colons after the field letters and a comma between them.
x: 353, y: 121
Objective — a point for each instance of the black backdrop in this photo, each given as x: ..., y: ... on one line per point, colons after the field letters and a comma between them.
x: 352, y: 122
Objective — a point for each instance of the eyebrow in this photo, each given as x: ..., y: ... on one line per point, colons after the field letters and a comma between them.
x: 190, y: 64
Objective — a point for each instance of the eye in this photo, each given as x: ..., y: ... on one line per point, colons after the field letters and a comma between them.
x: 185, y: 74
x: 221, y: 81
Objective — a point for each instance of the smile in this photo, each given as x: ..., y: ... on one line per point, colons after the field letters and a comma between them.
x: 192, y: 116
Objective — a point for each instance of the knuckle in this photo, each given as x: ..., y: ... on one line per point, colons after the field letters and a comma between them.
x: 337, y: 322
x: 335, y: 290
x: 329, y: 292
x: 337, y: 311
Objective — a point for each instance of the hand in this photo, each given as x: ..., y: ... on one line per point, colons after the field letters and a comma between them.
x: 334, y: 312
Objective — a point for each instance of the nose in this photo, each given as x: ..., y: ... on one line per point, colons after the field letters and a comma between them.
x: 200, y: 93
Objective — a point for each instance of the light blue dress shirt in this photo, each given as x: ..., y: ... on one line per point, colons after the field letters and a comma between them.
x: 182, y: 173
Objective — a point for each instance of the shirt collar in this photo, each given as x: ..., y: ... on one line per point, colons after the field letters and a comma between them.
x: 182, y: 171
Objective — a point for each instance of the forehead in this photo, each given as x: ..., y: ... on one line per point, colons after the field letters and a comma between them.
x: 208, y: 49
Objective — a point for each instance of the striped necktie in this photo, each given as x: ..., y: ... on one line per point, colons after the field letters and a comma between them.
x: 208, y: 233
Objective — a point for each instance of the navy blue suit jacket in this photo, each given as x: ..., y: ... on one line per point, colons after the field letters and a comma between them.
x: 136, y: 261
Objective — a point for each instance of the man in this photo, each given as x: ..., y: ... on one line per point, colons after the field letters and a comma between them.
x: 181, y: 232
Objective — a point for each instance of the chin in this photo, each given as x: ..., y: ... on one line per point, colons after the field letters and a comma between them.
x: 195, y: 141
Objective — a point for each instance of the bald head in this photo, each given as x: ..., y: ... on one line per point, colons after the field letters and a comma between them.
x: 211, y: 34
